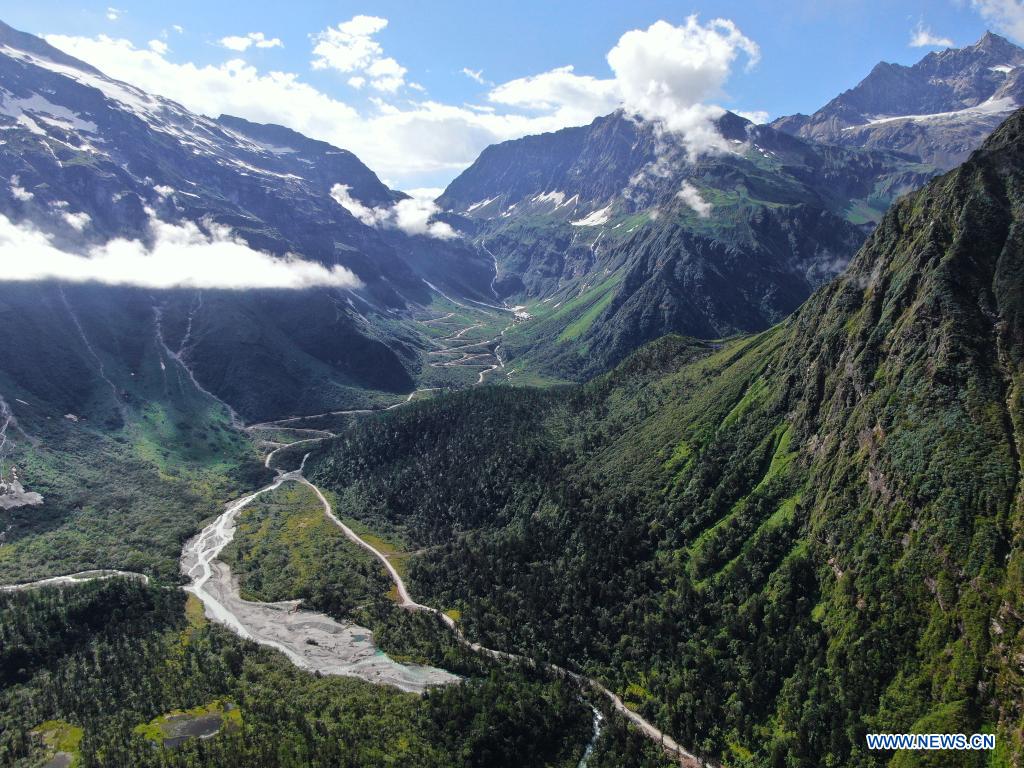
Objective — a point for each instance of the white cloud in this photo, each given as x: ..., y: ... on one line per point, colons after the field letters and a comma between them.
x: 242, y: 43
x: 20, y: 193
x: 690, y: 195
x: 234, y: 43
x: 559, y: 89
x: 414, y: 215
x: 77, y: 221
x: 387, y: 75
x: 371, y: 217
x: 179, y: 256
x: 923, y: 37
x: 756, y: 116
x: 668, y: 73
x: 416, y: 143
x: 1007, y: 16
x: 113, y: 14
x: 477, y: 75
x: 426, y: 141
x: 426, y: 193
x: 350, y: 48
x: 178, y: 28
x: 158, y: 46
x: 163, y: 190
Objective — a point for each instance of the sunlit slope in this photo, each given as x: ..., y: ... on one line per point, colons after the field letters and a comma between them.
x: 771, y: 546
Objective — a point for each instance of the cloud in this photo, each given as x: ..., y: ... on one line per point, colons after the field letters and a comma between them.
x: 690, y: 195
x: 668, y: 73
x: 19, y: 192
x: 413, y: 215
x: 178, y: 28
x: 386, y: 75
x: 178, y: 256
x: 419, y: 141
x: 242, y: 43
x: 371, y: 217
x: 476, y: 75
x: 413, y: 144
x: 158, y: 46
x: 350, y: 48
x: 1007, y: 16
x: 113, y: 14
x: 756, y: 116
x: 559, y: 89
x: 923, y: 37
x: 77, y: 221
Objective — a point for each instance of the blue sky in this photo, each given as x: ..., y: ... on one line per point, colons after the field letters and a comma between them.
x: 416, y: 117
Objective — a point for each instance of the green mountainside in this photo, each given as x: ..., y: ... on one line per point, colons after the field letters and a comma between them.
x: 799, y: 522
x: 770, y: 546
x: 612, y: 234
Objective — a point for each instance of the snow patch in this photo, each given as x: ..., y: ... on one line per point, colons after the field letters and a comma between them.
x: 989, y: 107
x: 135, y: 100
x: 594, y: 219
x: 264, y: 171
x: 42, y: 109
x: 555, y: 197
x: 480, y: 204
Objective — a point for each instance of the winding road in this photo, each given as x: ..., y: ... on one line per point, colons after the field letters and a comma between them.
x: 314, y: 641
x: 672, y: 748
x: 406, y: 601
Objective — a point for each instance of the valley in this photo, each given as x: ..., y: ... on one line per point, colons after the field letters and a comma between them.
x: 654, y: 433
x: 316, y: 642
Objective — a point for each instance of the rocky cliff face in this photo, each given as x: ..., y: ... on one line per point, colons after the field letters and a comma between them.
x: 613, y: 234
x: 938, y: 110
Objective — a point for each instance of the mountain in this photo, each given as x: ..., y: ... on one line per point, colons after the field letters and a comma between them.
x: 938, y: 110
x: 90, y: 159
x: 612, y: 234
x: 769, y: 546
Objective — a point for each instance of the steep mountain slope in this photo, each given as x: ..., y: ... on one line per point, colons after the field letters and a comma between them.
x: 88, y: 159
x: 938, y: 110
x: 612, y: 235
x: 771, y: 546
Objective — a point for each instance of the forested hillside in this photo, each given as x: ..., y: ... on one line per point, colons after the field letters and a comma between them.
x: 772, y: 546
x: 99, y: 673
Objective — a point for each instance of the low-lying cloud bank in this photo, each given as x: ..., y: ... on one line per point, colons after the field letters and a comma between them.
x: 178, y: 256
x: 413, y: 215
